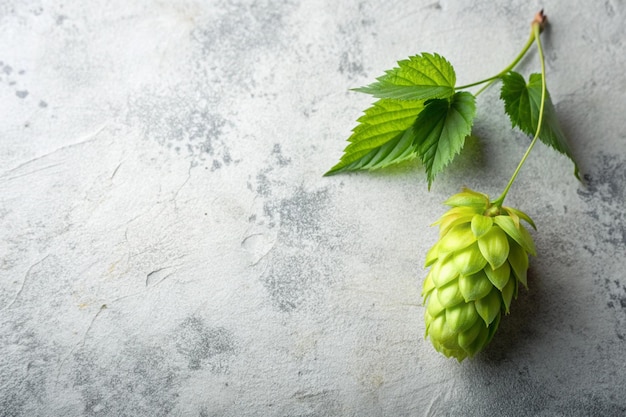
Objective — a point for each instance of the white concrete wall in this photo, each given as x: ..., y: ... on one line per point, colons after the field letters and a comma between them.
x: 169, y: 247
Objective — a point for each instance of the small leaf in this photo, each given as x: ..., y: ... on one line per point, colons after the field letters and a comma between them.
x: 428, y: 285
x: 449, y: 295
x: 419, y: 77
x: 518, y: 234
x: 431, y: 256
x: 434, y: 306
x: 511, y: 211
x: 494, y: 246
x: 440, y: 331
x: 440, y: 130
x: 489, y: 307
x: 384, y: 136
x: 481, y: 224
x: 468, y: 198
x: 522, y: 103
x: 454, y: 217
x: 461, y: 317
x: 513, y: 216
x: 457, y: 238
x: 507, y: 294
x: 518, y: 259
x: 479, y: 342
x: 467, y: 337
x: 458, y: 210
x: 469, y: 261
x: 493, y: 327
x: 453, y: 220
x: 474, y: 287
x: 499, y: 277
x: 443, y: 272
x: 427, y: 321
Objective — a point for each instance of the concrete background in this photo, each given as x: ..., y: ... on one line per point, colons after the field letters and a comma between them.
x: 169, y: 247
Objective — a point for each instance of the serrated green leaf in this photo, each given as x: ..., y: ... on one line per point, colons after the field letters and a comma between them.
x: 383, y: 137
x: 440, y: 130
x: 419, y: 77
x: 522, y: 102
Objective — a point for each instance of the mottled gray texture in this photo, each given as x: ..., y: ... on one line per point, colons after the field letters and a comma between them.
x: 169, y: 247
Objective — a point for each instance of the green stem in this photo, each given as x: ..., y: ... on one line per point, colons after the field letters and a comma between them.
x: 536, y: 31
x: 512, y: 65
x: 479, y: 82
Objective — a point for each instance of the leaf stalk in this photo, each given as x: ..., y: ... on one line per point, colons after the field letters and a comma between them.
x: 537, y: 27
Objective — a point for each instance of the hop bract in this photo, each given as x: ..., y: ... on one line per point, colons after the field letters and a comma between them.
x: 476, y: 267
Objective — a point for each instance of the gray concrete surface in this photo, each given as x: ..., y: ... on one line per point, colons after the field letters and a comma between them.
x: 169, y: 247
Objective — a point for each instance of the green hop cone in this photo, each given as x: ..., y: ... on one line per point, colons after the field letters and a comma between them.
x: 476, y: 267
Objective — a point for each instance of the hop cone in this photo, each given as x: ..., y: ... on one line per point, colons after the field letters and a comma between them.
x: 476, y: 267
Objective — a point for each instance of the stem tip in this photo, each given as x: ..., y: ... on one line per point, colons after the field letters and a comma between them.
x: 540, y: 19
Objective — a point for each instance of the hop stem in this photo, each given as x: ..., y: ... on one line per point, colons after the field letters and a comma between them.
x: 537, y: 26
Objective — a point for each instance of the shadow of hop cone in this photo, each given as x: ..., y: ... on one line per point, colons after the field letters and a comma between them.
x: 475, y: 271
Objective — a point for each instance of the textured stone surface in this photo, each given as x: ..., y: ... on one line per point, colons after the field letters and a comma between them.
x: 169, y: 247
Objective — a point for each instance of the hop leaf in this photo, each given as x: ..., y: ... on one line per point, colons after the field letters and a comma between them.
x: 476, y: 268
x: 419, y: 115
x: 420, y: 77
x: 441, y: 129
x: 522, y: 103
x: 383, y: 137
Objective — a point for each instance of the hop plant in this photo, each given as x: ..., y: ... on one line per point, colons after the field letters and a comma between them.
x: 481, y: 257
x: 476, y: 268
